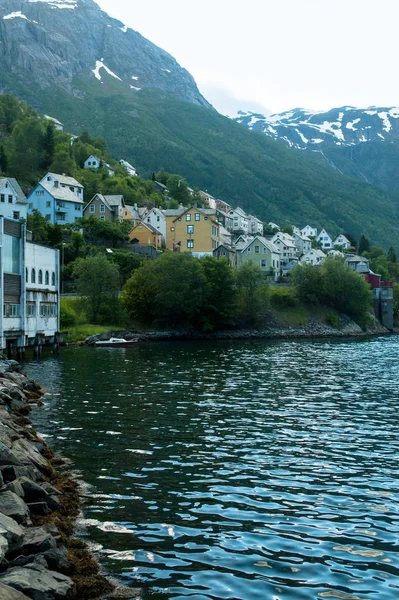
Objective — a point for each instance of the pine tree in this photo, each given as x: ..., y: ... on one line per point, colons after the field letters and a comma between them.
x: 364, y: 244
x: 48, y: 145
x: 3, y: 160
x: 391, y: 255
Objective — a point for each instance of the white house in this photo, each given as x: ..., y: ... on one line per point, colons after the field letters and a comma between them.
x: 129, y: 168
x: 335, y: 253
x: 13, y: 204
x: 94, y: 163
x: 313, y: 257
x: 342, y: 241
x: 57, y: 124
x: 325, y: 240
x: 240, y: 220
x: 286, y: 244
x: 255, y: 225
x: 302, y: 242
x: 29, y: 290
x: 157, y: 219
x: 309, y: 231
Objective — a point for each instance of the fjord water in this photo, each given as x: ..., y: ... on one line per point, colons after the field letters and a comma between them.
x: 245, y: 471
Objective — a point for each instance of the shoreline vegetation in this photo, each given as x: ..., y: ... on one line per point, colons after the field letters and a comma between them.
x: 40, y: 557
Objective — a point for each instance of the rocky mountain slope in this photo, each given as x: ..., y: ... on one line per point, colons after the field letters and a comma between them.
x: 70, y: 60
x: 361, y: 142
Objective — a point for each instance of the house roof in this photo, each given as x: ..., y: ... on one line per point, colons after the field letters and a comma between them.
x: 286, y: 239
x: 21, y: 199
x: 356, y: 258
x: 341, y: 235
x: 226, y: 247
x: 240, y: 212
x: 65, y: 179
x: 173, y: 212
x: 117, y: 200
x: 148, y: 226
x: 56, y: 121
x: 61, y: 193
x: 263, y: 241
x: 135, y: 213
x: 317, y: 252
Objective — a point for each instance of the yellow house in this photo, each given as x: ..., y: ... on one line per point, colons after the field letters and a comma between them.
x: 193, y: 230
x: 145, y: 235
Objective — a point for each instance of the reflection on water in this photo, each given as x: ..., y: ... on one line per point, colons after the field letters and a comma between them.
x: 236, y: 471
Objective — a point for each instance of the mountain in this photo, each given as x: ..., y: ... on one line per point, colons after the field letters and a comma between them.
x: 70, y: 60
x: 360, y: 142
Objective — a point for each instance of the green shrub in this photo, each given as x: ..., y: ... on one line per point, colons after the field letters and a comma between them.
x: 67, y: 315
x: 281, y: 298
x: 332, y: 320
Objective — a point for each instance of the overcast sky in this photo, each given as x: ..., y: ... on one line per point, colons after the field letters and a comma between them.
x: 276, y: 54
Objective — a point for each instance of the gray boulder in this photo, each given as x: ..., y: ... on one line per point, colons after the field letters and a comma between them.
x: 27, y: 454
x: 3, y: 547
x: 36, y: 541
x: 16, y: 488
x: 31, y: 490
x: 8, y: 593
x: 11, y: 531
x: 7, y: 456
x: 37, y: 582
x: 13, y: 506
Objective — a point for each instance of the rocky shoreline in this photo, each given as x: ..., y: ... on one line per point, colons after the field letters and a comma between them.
x: 316, y: 328
x: 40, y: 559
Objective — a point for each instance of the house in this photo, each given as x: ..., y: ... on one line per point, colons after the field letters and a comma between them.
x: 261, y: 252
x: 13, y: 203
x: 302, y: 242
x: 360, y: 264
x: 273, y: 226
x: 225, y: 219
x: 225, y: 236
x: 310, y: 232
x: 134, y: 213
x: 29, y: 290
x: 160, y: 187
x: 129, y: 168
x: 286, y: 244
x: 287, y: 268
x: 240, y: 221
x: 58, y: 198
x: 225, y: 251
x: 157, y: 219
x: 106, y: 208
x: 145, y: 234
x: 210, y: 201
x: 335, y: 253
x: 242, y: 240
x: 223, y: 206
x: 193, y: 230
x: 313, y: 257
x: 94, y: 163
x: 342, y: 241
x: 325, y: 240
x: 255, y: 225
x: 57, y: 124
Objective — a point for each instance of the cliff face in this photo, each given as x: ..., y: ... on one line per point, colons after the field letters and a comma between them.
x: 74, y: 41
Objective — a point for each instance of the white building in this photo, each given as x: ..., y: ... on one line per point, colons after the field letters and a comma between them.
x: 325, y: 240
x: 240, y: 221
x: 313, y: 257
x: 342, y: 241
x: 57, y: 124
x: 94, y: 163
x: 157, y: 219
x: 13, y: 203
x: 129, y: 168
x: 309, y: 231
x: 255, y: 226
x: 303, y: 243
x: 286, y: 244
x: 29, y: 290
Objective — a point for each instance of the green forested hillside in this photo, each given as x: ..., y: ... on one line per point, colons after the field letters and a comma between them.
x: 152, y: 129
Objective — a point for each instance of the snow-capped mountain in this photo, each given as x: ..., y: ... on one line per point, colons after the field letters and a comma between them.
x: 345, y: 126
x: 73, y: 43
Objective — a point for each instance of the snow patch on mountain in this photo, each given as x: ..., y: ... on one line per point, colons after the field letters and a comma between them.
x: 101, y: 65
x: 58, y: 3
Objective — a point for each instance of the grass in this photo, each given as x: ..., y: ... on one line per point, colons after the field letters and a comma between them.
x: 78, y: 333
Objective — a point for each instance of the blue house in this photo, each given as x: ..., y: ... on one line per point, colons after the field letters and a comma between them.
x: 58, y: 198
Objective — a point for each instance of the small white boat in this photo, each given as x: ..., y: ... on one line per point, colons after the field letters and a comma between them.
x: 115, y: 343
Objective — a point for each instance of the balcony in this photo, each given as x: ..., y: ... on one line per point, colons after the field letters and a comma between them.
x: 61, y: 209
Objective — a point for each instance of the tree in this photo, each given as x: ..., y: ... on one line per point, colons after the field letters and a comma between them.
x: 308, y: 284
x: 288, y: 229
x: 391, y: 255
x: 48, y: 145
x: 63, y: 161
x: 344, y: 289
x: 127, y: 262
x: 252, y: 294
x: 364, y: 244
x: 167, y: 292
x: 3, y: 160
x: 98, y: 280
x: 219, y: 307
x: 25, y: 156
x: 396, y: 302
x: 178, y: 189
x: 349, y: 236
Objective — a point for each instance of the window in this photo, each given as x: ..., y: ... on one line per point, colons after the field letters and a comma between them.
x: 10, y: 199
x: 102, y: 218
x: 190, y: 243
x: 40, y: 279
x: 205, y: 218
x: 53, y: 278
x: 188, y: 217
x: 102, y: 208
x: 48, y: 178
x: 15, y: 215
x: 256, y: 249
x: 48, y: 203
x: 263, y: 264
x: 92, y: 208
x: 39, y: 192
x: 26, y: 275
x: 77, y: 207
x: 47, y: 278
x: 12, y: 310
x: 2, y: 198
x: 190, y: 229
x: 197, y: 217
x: 30, y: 205
x: 249, y: 250
x: 72, y: 189
x: 11, y: 254
x: 48, y: 217
x: 31, y: 309
x: 172, y: 228
x: 148, y: 220
x: 33, y: 276
x: 48, y: 310
x: 214, y: 230
x: 179, y: 219
x: 158, y: 218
